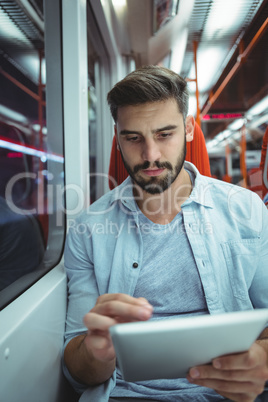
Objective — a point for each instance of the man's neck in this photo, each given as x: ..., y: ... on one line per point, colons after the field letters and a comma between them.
x: 162, y: 208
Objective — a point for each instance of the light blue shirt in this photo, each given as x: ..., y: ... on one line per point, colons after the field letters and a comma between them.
x: 227, y: 228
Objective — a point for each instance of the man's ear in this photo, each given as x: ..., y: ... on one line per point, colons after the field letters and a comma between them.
x: 189, y: 128
x: 115, y: 134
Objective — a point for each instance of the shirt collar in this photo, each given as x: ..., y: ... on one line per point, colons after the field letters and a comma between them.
x: 201, y: 193
x: 124, y: 193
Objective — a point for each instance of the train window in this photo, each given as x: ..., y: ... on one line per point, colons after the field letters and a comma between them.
x: 163, y: 12
x: 92, y: 135
x: 31, y: 146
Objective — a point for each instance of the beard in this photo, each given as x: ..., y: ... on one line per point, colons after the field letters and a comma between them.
x: 156, y: 185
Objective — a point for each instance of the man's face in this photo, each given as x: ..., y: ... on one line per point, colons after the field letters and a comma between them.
x: 152, y: 141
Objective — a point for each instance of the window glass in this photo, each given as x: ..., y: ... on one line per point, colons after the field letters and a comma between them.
x: 31, y: 154
x: 98, y: 85
x: 92, y: 110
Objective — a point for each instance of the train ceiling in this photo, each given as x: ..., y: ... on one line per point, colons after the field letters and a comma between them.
x: 163, y: 31
x: 221, y: 29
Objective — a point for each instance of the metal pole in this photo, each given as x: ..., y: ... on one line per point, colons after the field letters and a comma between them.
x: 195, y: 45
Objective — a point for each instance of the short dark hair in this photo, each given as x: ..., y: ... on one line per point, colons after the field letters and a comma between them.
x: 149, y: 84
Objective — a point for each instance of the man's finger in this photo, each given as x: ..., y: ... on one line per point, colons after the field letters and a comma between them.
x: 255, y: 356
x: 101, y: 347
x: 123, y: 298
x: 127, y: 311
x: 95, y: 321
x: 209, y: 372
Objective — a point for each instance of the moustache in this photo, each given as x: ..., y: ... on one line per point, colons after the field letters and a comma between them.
x: 146, y: 165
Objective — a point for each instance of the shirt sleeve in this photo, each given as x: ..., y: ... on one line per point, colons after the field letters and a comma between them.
x: 259, y: 287
x: 82, y: 286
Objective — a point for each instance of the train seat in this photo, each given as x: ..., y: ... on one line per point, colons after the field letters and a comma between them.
x: 196, y: 153
x: 264, y: 167
x: 257, y: 178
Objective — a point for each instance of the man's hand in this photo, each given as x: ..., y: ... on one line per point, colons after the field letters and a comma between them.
x: 239, y: 377
x: 90, y: 358
x: 109, y: 310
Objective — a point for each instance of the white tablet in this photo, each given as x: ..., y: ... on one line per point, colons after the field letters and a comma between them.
x: 168, y: 348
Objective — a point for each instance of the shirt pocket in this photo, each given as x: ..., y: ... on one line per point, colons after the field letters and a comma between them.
x: 241, y: 259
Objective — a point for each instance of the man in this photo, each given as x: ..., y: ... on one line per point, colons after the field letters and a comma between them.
x: 167, y: 242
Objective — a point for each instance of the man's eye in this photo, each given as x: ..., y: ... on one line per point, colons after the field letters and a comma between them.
x: 165, y: 135
x: 133, y: 138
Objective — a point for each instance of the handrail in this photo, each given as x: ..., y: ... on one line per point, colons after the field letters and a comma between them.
x: 240, y: 59
x: 21, y: 86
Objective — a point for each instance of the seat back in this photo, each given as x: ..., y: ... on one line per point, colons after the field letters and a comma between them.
x: 264, y: 166
x: 197, y: 152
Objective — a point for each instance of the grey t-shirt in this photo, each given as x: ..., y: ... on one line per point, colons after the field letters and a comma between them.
x: 169, y: 278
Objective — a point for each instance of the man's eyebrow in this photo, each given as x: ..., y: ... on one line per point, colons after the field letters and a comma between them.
x: 126, y: 132
x: 157, y: 130
x: 166, y: 128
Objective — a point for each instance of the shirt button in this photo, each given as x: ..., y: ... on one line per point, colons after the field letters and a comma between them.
x: 135, y: 265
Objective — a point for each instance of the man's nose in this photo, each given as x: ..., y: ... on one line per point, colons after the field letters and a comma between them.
x: 151, y: 151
